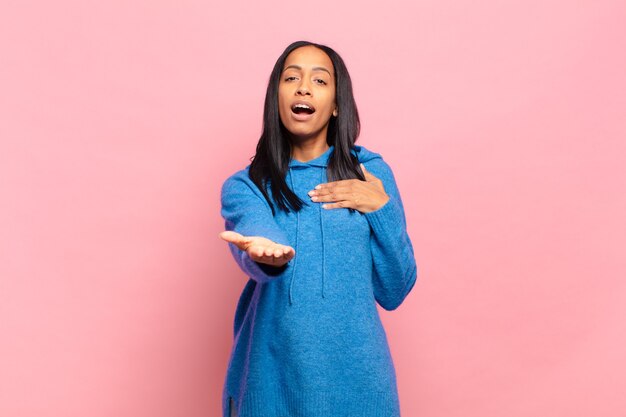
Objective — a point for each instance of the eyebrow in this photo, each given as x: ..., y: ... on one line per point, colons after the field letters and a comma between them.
x: 314, y: 68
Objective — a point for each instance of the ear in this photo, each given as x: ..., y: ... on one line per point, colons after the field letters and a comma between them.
x: 335, y: 112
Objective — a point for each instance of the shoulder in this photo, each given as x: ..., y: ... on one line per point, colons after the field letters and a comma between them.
x: 238, y: 182
x: 373, y: 161
x: 238, y: 176
x: 236, y: 179
x: 239, y: 186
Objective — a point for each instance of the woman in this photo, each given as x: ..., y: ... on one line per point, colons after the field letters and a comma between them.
x: 318, y: 225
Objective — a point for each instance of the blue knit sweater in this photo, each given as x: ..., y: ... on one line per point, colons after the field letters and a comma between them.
x: 308, y: 339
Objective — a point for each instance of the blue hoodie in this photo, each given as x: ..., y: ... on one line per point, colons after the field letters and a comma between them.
x: 308, y: 339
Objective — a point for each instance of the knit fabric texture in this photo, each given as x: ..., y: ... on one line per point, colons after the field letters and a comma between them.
x: 308, y: 339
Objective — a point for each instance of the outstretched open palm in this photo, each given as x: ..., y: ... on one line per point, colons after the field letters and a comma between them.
x: 260, y: 249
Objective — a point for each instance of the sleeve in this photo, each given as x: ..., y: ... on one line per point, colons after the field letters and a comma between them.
x: 246, y: 211
x: 394, y: 266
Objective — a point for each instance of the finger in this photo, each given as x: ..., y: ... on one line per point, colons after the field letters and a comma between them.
x: 272, y: 254
x: 333, y: 184
x: 270, y: 249
x: 367, y: 174
x: 260, y: 252
x: 268, y: 259
x: 285, y: 250
x: 344, y: 195
x: 238, y: 239
x: 281, y: 254
x: 280, y: 251
x: 288, y: 252
x: 259, y: 255
x: 339, y: 204
x: 336, y: 190
x: 230, y: 236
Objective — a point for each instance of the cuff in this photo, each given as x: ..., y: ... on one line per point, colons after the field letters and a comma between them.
x: 272, y: 270
x: 387, y: 218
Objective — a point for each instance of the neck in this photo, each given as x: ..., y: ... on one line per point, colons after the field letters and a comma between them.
x: 308, y: 150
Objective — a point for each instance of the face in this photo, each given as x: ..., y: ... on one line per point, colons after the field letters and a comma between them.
x: 307, y: 78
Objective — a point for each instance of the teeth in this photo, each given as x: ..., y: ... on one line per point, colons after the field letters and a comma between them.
x: 304, y: 106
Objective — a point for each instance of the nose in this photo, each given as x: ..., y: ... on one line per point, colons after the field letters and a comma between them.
x: 303, y: 89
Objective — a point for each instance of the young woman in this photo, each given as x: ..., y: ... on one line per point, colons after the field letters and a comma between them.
x: 317, y: 224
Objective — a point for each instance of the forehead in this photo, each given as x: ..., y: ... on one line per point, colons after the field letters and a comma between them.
x: 308, y: 57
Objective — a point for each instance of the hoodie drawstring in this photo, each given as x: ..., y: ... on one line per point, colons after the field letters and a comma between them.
x: 295, y: 261
x: 293, y: 272
x: 322, y: 227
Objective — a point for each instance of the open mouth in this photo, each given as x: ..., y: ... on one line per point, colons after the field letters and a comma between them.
x: 300, y: 108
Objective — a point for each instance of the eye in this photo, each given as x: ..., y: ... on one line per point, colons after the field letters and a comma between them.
x: 288, y: 78
x: 323, y: 82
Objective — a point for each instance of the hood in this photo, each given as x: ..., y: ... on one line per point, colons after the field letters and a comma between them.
x: 320, y: 163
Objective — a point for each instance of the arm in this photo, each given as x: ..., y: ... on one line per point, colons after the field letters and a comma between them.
x: 395, y: 269
x: 246, y: 211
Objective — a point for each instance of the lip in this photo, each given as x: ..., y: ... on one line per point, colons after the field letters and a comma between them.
x: 302, y: 117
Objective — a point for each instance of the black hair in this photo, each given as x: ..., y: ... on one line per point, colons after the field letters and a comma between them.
x: 273, y: 151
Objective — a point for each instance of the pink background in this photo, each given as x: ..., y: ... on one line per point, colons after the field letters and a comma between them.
x: 504, y: 122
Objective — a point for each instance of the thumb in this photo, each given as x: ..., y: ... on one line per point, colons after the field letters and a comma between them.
x: 233, y: 237
x: 367, y: 174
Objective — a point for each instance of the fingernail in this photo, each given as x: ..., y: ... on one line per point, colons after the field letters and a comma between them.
x: 317, y: 187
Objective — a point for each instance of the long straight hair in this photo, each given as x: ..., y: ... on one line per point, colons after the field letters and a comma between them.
x: 273, y: 151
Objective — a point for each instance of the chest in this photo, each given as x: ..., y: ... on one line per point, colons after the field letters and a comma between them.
x: 337, y: 227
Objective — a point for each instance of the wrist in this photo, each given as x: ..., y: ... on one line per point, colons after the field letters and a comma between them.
x: 381, y: 203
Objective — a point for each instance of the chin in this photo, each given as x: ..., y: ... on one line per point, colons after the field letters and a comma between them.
x: 302, y: 133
